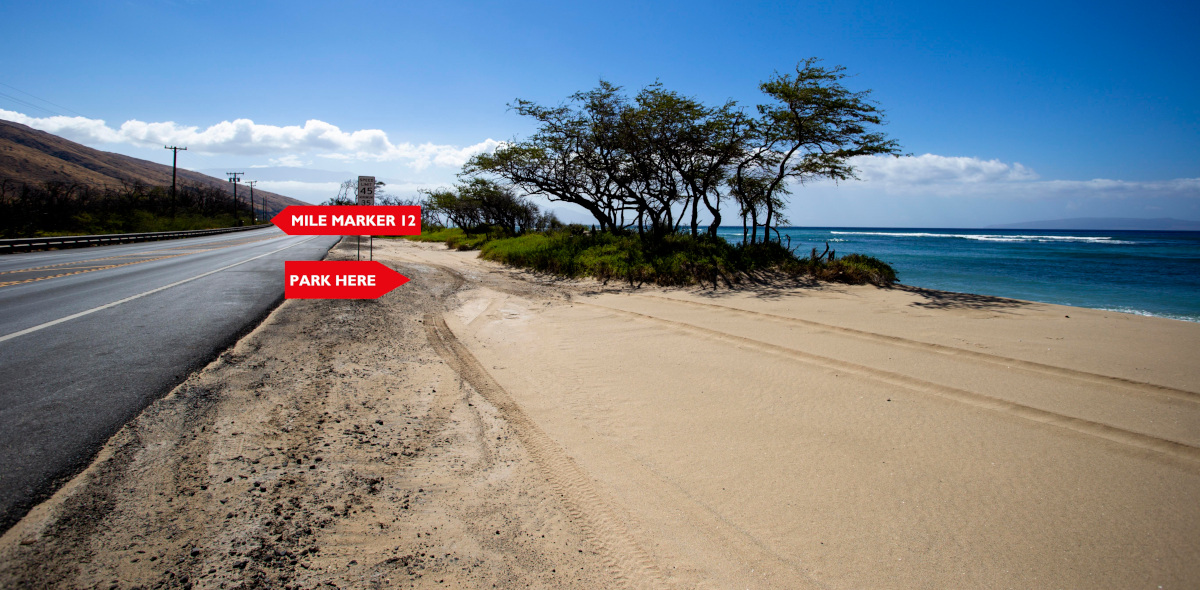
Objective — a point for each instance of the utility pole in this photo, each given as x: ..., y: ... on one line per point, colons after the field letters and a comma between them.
x: 174, y: 161
x: 234, y: 177
x: 253, y: 213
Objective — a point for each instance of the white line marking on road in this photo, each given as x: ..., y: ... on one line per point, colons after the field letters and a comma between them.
x: 140, y: 295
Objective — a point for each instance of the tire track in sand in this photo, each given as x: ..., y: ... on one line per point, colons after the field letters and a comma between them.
x: 627, y: 562
x: 994, y: 359
x: 1132, y: 385
x: 1182, y: 454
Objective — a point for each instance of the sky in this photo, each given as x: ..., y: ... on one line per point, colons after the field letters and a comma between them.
x: 1010, y: 112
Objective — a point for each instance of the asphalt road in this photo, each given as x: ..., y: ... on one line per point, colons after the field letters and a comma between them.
x: 89, y: 337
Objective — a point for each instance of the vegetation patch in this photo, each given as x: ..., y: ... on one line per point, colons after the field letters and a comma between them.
x: 674, y: 259
x: 61, y: 209
x: 436, y: 235
x: 454, y: 238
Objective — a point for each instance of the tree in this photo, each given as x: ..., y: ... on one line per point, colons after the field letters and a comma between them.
x: 574, y: 157
x: 664, y: 151
x: 693, y: 143
x: 613, y: 157
x: 480, y: 205
x: 347, y: 194
x: 811, y: 129
x: 661, y: 131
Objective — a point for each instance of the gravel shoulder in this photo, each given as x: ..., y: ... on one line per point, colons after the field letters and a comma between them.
x: 331, y: 447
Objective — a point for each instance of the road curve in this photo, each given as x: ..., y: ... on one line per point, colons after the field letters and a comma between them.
x: 89, y: 337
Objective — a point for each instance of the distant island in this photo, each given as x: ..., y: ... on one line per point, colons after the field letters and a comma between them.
x: 1106, y: 224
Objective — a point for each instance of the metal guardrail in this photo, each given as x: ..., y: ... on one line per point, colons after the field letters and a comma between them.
x: 30, y: 244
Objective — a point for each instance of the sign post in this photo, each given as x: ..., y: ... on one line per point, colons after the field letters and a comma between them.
x: 341, y: 279
x: 342, y: 220
x: 362, y: 279
x: 366, y: 191
x: 366, y: 198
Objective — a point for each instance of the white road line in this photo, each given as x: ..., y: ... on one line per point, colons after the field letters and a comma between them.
x: 140, y: 295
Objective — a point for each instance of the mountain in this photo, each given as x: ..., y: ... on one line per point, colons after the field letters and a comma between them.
x: 31, y: 156
x: 1107, y: 224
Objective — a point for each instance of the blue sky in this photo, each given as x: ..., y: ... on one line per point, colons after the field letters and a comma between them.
x: 1012, y: 112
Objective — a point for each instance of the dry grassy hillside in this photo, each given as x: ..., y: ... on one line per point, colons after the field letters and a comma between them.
x: 31, y: 156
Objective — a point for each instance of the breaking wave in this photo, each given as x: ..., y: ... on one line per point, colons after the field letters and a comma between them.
x: 1142, y: 312
x: 1042, y: 239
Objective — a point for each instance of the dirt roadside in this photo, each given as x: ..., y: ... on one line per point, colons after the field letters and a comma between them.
x: 334, y: 446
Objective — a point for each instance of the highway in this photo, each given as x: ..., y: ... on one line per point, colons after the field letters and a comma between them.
x: 89, y: 337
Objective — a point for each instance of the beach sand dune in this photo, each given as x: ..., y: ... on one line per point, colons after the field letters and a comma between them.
x: 853, y: 437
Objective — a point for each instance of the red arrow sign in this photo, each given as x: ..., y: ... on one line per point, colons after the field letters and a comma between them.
x: 349, y: 220
x: 340, y: 279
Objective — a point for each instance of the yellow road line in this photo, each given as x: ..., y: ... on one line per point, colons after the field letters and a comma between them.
x: 79, y: 272
x: 50, y: 323
x: 200, y: 249
x: 49, y: 266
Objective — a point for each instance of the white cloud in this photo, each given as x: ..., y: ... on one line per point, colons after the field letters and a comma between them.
x: 1121, y: 188
x: 930, y: 169
x: 316, y: 192
x: 286, y: 187
x: 72, y: 128
x: 245, y: 137
x: 289, y: 161
x: 296, y: 146
x: 957, y: 176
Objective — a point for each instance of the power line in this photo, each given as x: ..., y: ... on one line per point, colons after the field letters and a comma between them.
x: 30, y: 104
x: 43, y: 100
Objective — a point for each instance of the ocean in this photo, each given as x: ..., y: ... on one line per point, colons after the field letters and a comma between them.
x: 1139, y: 272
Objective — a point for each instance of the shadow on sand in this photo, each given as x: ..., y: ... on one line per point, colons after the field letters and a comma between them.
x: 765, y: 286
x: 949, y: 300
x: 780, y: 286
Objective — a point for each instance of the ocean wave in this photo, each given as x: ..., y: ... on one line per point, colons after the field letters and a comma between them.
x: 991, y: 237
x: 1142, y: 312
x: 796, y: 239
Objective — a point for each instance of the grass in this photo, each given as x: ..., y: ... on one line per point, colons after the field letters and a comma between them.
x: 855, y: 269
x: 676, y: 259
x: 439, y: 235
x: 454, y: 238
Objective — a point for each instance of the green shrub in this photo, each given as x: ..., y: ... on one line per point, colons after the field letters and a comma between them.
x: 437, y: 235
x: 672, y: 259
x: 467, y: 241
x: 859, y: 269
x: 457, y: 239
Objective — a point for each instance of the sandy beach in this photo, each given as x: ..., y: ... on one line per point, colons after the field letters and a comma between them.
x: 484, y: 426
